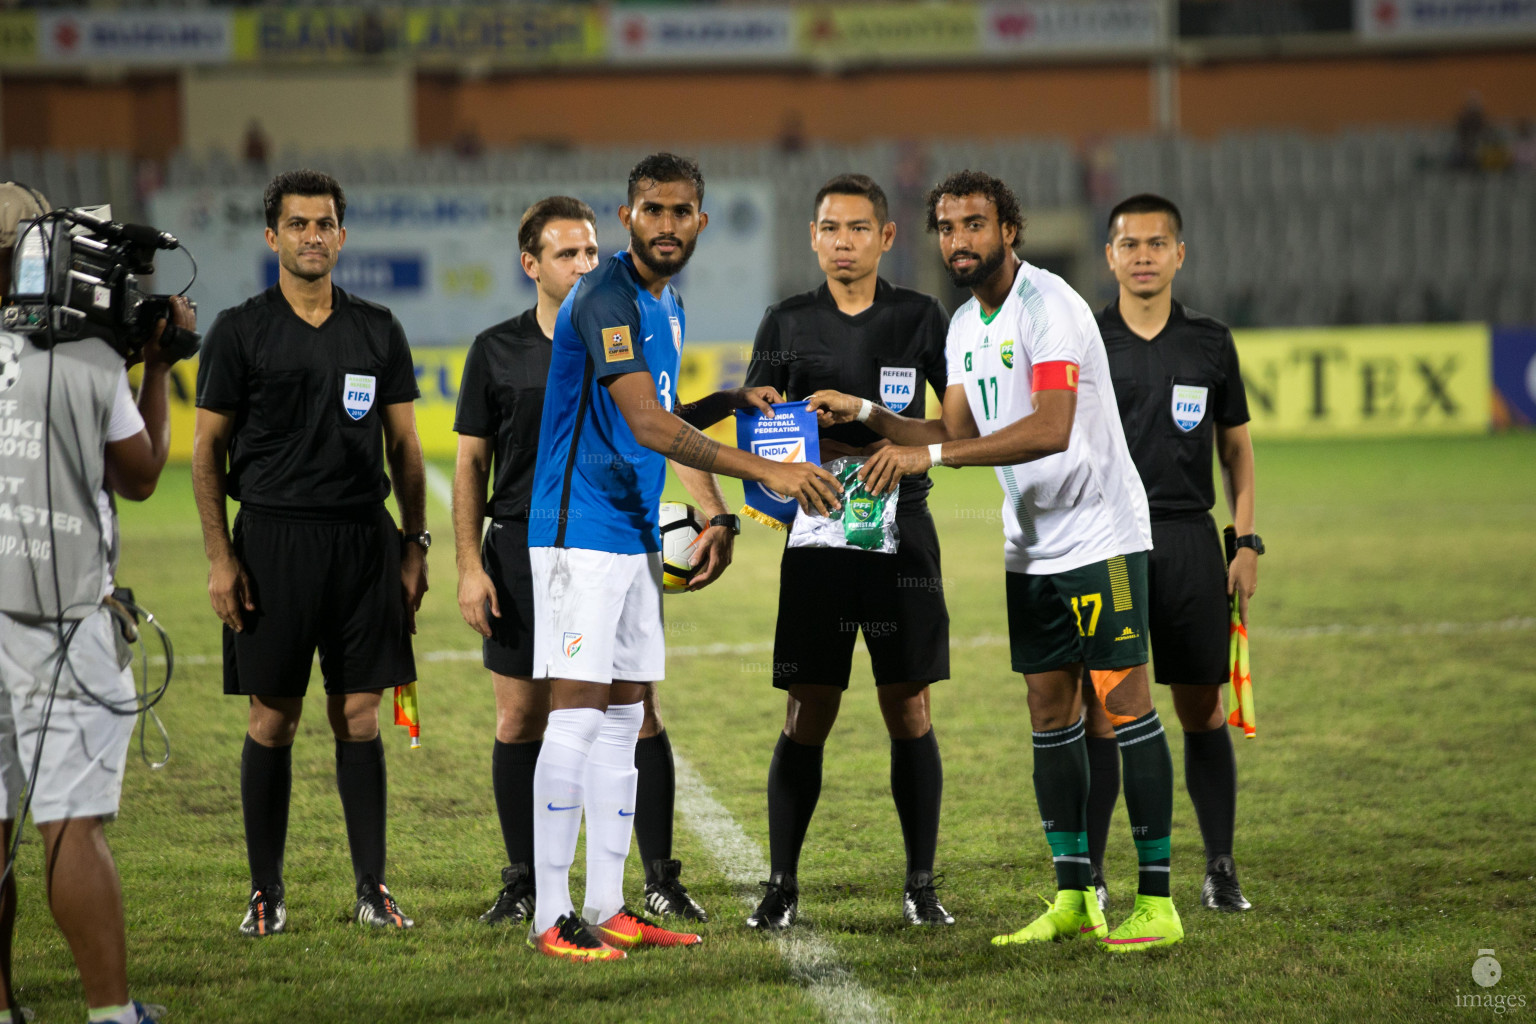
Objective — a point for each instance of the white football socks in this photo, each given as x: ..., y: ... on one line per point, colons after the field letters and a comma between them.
x: 610, y: 789
x: 557, y: 802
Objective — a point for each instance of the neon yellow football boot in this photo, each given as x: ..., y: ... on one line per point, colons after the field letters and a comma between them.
x: 1075, y: 914
x: 1153, y: 922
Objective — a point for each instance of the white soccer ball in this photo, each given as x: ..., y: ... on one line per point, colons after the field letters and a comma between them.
x: 681, y: 525
x: 10, y: 360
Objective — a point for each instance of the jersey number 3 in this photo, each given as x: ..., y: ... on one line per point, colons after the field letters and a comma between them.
x: 664, y: 388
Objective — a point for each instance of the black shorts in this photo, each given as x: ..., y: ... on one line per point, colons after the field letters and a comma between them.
x: 1190, y: 614
x: 1095, y: 614
x: 329, y: 585
x: 828, y: 595
x: 508, y: 650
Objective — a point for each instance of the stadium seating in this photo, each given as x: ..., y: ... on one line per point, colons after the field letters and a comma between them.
x: 1283, y: 228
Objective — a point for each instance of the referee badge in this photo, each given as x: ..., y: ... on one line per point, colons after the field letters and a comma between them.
x: 357, y: 394
x: 1188, y: 406
x: 898, y: 386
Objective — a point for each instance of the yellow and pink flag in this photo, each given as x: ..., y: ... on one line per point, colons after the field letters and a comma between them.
x: 407, y: 713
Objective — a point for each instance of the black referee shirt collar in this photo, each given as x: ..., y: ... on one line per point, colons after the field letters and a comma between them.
x: 527, y: 322
x: 338, y: 300
x: 883, y: 292
x: 1175, y: 316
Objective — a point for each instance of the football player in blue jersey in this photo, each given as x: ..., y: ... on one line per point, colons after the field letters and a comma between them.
x: 611, y: 421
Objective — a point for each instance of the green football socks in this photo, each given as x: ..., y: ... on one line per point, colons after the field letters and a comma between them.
x: 1061, y: 790
x: 1147, y: 771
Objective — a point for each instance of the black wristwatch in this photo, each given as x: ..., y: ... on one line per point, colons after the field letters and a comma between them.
x: 1250, y: 540
x: 730, y: 522
x: 423, y: 538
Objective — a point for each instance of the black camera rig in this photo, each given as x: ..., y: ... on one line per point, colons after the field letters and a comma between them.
x: 75, y: 275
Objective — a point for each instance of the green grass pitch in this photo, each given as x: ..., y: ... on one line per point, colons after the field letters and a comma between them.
x: 1385, y: 830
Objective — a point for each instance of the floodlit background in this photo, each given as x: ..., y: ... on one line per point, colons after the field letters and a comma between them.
x: 1358, y: 182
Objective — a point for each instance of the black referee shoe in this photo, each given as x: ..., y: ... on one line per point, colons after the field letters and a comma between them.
x: 780, y: 904
x: 1100, y: 889
x: 1221, y: 891
x: 266, y: 914
x: 666, y: 897
x: 920, y: 905
x: 516, y: 900
x: 376, y: 907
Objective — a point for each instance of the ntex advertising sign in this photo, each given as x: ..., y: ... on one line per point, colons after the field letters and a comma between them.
x: 1367, y: 381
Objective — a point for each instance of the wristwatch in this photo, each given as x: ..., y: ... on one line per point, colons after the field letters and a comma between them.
x: 730, y: 522
x: 1250, y: 540
x: 423, y: 538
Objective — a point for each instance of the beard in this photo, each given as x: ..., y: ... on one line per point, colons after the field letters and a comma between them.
x: 308, y: 271
x: 985, y: 267
x: 662, y: 266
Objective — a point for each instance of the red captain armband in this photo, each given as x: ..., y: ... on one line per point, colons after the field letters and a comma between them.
x: 1055, y: 376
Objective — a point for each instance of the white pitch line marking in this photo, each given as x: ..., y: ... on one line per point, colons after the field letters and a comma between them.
x: 440, y: 486
x: 811, y: 959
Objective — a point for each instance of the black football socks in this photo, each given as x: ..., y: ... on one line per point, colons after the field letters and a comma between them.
x: 1103, y: 792
x: 512, y: 767
x: 1210, y: 772
x: 655, y: 795
x: 266, y: 782
x: 1148, y: 772
x: 363, y: 783
x: 1061, y: 790
x: 917, y: 786
x: 794, y: 786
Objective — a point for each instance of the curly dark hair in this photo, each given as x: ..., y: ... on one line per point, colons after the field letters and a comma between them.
x: 663, y: 168
x: 302, y: 183
x: 537, y: 216
x: 978, y: 183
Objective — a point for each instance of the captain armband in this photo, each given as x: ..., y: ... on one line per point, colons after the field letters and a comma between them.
x: 1058, y: 375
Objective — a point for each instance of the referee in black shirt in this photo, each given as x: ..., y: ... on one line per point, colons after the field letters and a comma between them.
x: 501, y: 400
x: 302, y: 391
x: 1176, y: 379
x: 860, y: 335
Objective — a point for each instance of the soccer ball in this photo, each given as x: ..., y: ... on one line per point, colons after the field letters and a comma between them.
x: 10, y: 360
x: 681, y: 525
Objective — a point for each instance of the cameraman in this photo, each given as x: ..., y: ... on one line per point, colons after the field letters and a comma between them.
x: 57, y: 549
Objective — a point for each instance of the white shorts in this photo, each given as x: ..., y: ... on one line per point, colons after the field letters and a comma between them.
x: 86, y: 745
x: 597, y: 616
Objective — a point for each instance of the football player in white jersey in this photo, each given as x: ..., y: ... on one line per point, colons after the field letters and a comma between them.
x: 1025, y: 354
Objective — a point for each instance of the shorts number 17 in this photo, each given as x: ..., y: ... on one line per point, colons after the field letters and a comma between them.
x: 1080, y: 604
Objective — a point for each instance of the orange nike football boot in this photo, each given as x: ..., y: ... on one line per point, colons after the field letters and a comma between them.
x: 627, y: 930
x: 572, y: 939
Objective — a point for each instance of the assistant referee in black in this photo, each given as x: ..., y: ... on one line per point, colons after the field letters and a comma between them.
x: 1176, y: 379
x: 302, y: 392
x: 857, y: 334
